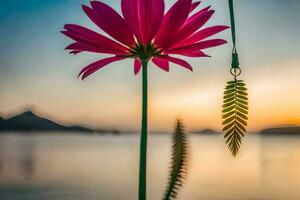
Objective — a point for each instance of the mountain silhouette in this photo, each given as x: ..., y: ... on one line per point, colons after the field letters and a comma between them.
x: 30, y: 122
x: 206, y: 131
x: 293, y: 130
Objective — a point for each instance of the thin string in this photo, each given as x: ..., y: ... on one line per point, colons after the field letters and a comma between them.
x: 235, y: 58
x: 232, y: 21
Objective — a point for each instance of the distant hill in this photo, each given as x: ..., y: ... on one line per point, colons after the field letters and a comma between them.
x: 295, y: 130
x: 30, y: 122
x: 206, y: 132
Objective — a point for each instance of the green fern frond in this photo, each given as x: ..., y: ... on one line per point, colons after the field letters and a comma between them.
x: 235, y: 112
x: 179, y: 162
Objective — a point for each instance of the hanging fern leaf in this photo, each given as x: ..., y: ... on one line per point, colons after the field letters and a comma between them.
x: 179, y: 162
x: 235, y: 112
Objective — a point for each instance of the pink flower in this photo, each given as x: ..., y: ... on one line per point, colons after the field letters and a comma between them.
x: 144, y: 33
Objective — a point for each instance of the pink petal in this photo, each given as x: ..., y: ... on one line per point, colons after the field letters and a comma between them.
x: 194, y: 6
x: 130, y: 13
x: 177, y: 61
x: 75, y: 52
x: 196, y: 15
x: 77, y: 46
x: 137, y: 66
x: 197, y: 46
x: 110, y: 22
x: 198, y: 20
x: 172, y: 21
x: 195, y: 54
x: 150, y: 13
x: 85, y: 35
x: 92, y: 68
x: 192, y: 25
x: 161, y: 63
x: 200, y: 35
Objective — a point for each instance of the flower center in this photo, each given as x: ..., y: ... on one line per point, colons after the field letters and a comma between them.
x: 145, y: 53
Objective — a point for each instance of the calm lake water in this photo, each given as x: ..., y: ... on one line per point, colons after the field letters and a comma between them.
x: 77, y: 167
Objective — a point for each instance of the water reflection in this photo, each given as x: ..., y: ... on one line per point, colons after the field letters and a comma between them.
x: 280, y: 166
x: 17, y: 159
x: 1, y: 156
x: 106, y: 167
x: 27, y: 161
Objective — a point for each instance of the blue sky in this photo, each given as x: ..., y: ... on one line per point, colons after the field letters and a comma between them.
x: 36, y: 71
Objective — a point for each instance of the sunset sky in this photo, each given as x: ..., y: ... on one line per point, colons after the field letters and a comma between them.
x: 36, y: 72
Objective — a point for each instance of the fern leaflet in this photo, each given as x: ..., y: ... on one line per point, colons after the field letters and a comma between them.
x: 235, y: 112
x: 179, y: 162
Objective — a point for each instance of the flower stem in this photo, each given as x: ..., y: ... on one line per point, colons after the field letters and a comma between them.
x: 143, y: 147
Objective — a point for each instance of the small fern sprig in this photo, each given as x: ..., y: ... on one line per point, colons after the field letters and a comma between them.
x: 235, y: 112
x: 179, y: 162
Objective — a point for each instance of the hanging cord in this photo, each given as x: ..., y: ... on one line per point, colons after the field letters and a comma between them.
x: 235, y: 100
x: 235, y: 69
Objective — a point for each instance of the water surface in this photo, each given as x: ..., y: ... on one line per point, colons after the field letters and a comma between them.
x: 78, y: 167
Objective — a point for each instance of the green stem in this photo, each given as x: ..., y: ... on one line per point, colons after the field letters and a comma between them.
x: 143, y: 148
